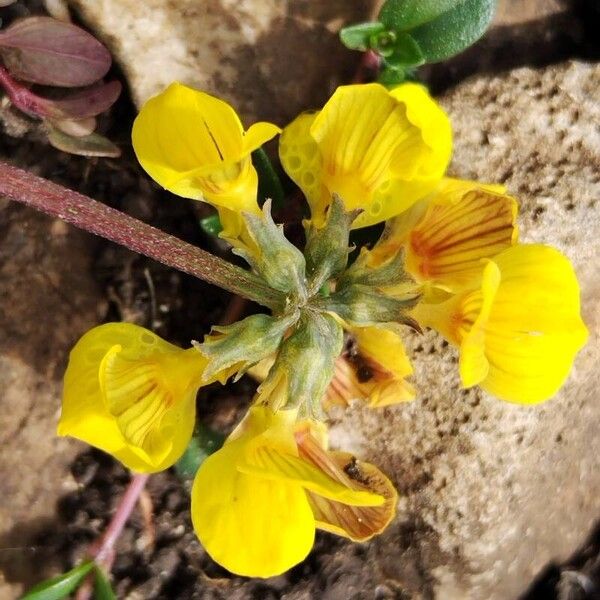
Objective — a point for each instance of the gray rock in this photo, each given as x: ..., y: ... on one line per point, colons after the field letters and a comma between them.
x: 494, y: 491
x: 267, y: 57
x: 47, y: 299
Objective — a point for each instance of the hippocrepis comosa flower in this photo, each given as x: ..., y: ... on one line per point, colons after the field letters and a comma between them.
x: 195, y: 146
x: 133, y: 395
x: 257, y: 501
x: 379, y: 150
x: 449, y: 252
x: 518, y: 326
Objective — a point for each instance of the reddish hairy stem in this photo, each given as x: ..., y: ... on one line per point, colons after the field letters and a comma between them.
x: 368, y: 67
x: 109, y: 223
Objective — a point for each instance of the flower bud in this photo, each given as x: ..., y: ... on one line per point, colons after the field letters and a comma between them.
x: 278, y: 261
x: 239, y: 346
x: 304, y: 365
x: 327, y: 247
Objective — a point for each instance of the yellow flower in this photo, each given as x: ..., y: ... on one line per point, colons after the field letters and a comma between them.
x: 520, y: 329
x: 445, y: 236
x: 194, y: 145
x: 380, y: 150
x: 373, y: 368
x: 131, y: 394
x: 257, y: 501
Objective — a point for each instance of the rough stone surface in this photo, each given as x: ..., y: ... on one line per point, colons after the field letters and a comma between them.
x: 267, y: 57
x: 493, y: 491
x: 47, y: 298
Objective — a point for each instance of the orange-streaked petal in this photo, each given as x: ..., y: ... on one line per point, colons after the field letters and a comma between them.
x: 359, y: 523
x: 457, y: 231
x: 374, y: 369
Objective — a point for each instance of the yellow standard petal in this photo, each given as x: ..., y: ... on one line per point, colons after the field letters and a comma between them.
x: 380, y: 151
x: 519, y: 331
x: 131, y: 394
x: 446, y: 236
x: 194, y: 145
x: 459, y: 229
x: 373, y: 368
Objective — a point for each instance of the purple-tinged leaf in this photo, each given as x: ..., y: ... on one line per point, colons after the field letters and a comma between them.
x: 51, y: 52
x: 89, y: 145
x: 81, y: 105
x: 74, y: 128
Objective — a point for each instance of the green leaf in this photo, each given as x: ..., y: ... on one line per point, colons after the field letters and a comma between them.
x: 269, y: 184
x: 403, y: 15
x: 406, y: 52
x: 102, y: 588
x: 93, y: 144
x: 454, y: 30
x: 358, y: 37
x: 204, y: 442
x: 61, y: 586
x: 211, y: 225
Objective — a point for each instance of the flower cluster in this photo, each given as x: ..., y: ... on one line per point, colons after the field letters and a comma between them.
x: 449, y: 258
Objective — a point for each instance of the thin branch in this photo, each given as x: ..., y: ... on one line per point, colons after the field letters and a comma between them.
x: 109, y: 223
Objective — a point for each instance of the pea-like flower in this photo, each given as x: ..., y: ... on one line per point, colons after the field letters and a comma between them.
x: 195, y: 146
x: 373, y: 368
x: 132, y: 394
x: 257, y: 502
x: 518, y: 328
x: 445, y: 236
x: 379, y: 150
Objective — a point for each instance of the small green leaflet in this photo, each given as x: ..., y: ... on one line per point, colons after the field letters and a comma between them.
x: 61, y: 586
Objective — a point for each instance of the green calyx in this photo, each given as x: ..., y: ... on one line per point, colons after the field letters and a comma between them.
x: 303, y: 339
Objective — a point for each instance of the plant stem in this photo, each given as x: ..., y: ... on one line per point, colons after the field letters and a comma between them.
x: 102, y: 551
x: 109, y: 223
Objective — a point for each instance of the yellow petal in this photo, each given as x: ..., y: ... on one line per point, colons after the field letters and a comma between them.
x: 271, y: 453
x: 535, y: 328
x: 268, y: 463
x: 361, y: 132
x: 252, y: 525
x: 182, y: 129
x: 398, y: 229
x: 194, y: 146
x: 519, y: 331
x: 458, y: 230
x: 393, y: 198
x: 374, y: 369
x: 301, y: 159
x: 358, y: 523
x: 473, y: 364
x: 379, y: 151
x: 426, y: 160
x: 116, y: 381
x: 258, y: 134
